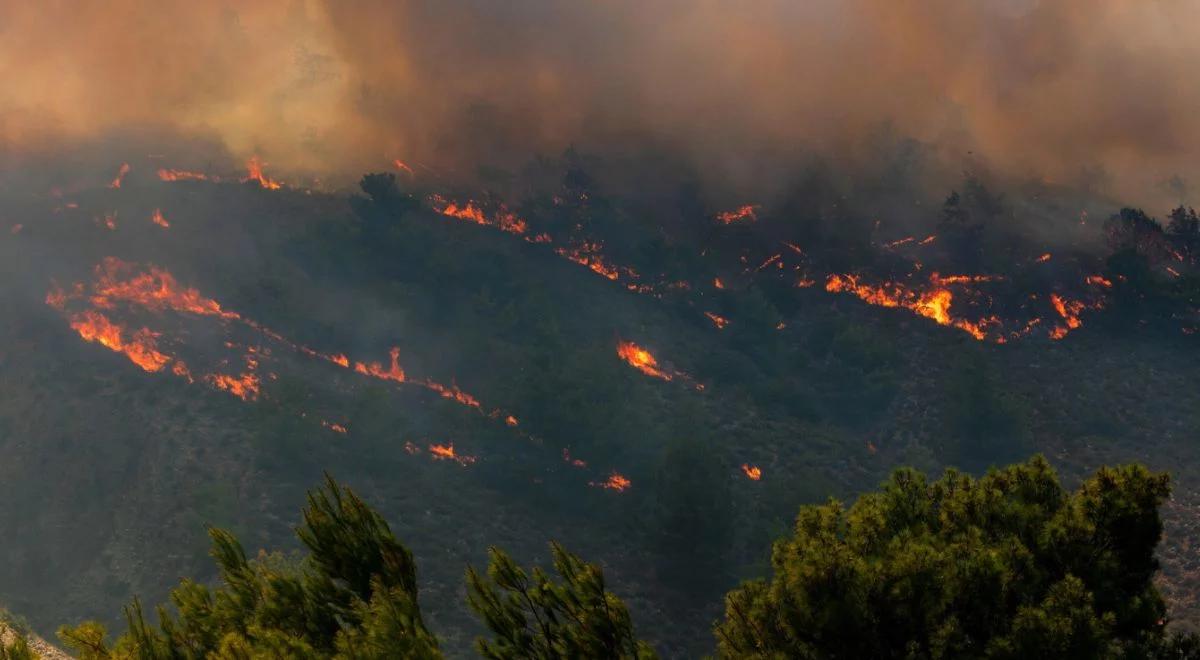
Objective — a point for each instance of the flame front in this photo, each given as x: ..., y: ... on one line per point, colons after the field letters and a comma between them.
x: 254, y: 172
x: 447, y: 453
x: 158, y: 219
x: 746, y: 213
x: 116, y: 183
x: 141, y: 348
x: 640, y: 359
x: 180, y: 175
x: 615, y: 482
x: 752, y: 472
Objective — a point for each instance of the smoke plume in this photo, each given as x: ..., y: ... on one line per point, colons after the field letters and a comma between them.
x: 1060, y: 90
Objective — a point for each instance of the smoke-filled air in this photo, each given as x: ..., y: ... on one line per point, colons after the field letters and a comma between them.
x: 599, y: 329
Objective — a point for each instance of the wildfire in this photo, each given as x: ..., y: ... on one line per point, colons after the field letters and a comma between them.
x: 574, y: 462
x: 641, y: 359
x: 746, y: 212
x: 1043, y: 259
x: 933, y: 303
x: 453, y: 393
x: 1097, y: 280
x: 401, y: 165
x: 503, y: 219
x: 615, y: 481
x: 336, y: 428
x: 254, y: 172
x: 246, y: 387
x: 588, y: 254
x: 375, y: 369
x: 719, y: 321
x: 753, y: 472
x: 158, y: 219
x: 155, y: 289
x: 718, y: 283
x: 447, y: 453
x: 895, y: 244
x: 116, y: 183
x: 180, y: 175
x: 108, y: 221
x: 141, y: 348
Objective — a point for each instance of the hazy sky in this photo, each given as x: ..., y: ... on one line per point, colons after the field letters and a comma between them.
x: 1048, y: 88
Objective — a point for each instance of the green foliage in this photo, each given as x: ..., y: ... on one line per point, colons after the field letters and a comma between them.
x: 1006, y: 566
x: 16, y: 648
x: 536, y: 617
x: 354, y: 596
x: 691, y: 516
x: 986, y: 426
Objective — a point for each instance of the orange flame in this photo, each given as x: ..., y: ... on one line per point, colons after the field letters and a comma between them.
x: 934, y: 303
x: 1043, y: 259
x: 574, y: 462
x: 640, y: 359
x: 116, y: 183
x: 746, y: 212
x: 718, y: 283
x: 503, y: 219
x: 753, y: 472
x: 376, y: 370
x: 180, y: 175
x: 158, y: 219
x: 155, y: 289
x: 336, y: 428
x: 141, y: 349
x: 254, y: 172
x: 245, y: 387
x: 719, y: 321
x: 447, y: 453
x: 615, y: 481
x: 1099, y: 281
x: 401, y: 165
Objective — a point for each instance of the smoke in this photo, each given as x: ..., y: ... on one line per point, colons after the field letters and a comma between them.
x: 1060, y: 90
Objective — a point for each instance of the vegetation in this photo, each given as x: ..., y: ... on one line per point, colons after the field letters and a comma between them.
x: 1009, y: 565
x: 1006, y: 566
x: 355, y: 596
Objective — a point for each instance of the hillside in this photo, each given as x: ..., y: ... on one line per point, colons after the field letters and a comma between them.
x: 516, y: 420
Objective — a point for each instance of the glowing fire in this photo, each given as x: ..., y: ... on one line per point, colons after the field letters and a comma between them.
x: 640, y: 359
x: 336, y: 428
x: 588, y: 254
x: 447, y: 453
x: 718, y: 283
x: 1097, y: 280
x: 375, y: 369
x: 574, y: 462
x: 401, y: 165
x: 753, y: 472
x: 116, y: 183
x: 746, y: 212
x: 180, y: 175
x: 158, y: 219
x: 615, y: 481
x: 1043, y: 259
x: 246, y: 387
x: 503, y: 219
x: 933, y: 303
x: 719, y: 321
x: 141, y: 348
x: 155, y: 289
x: 254, y: 172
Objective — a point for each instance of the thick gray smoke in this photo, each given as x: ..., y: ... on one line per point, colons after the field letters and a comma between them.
x: 1058, y: 90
